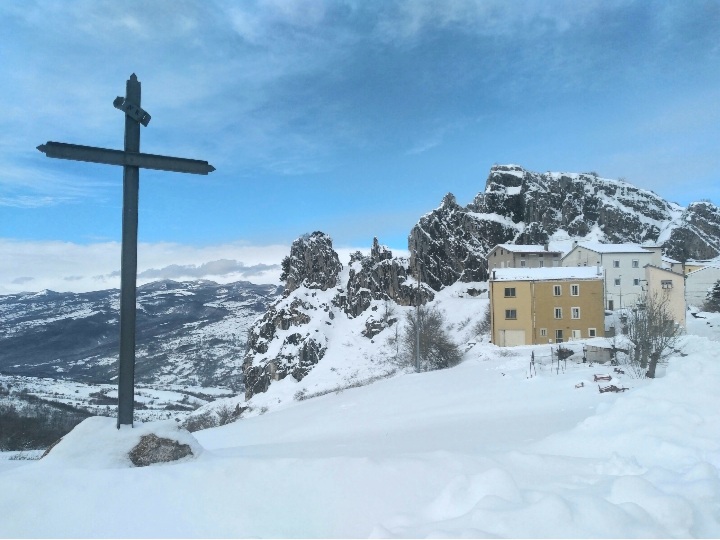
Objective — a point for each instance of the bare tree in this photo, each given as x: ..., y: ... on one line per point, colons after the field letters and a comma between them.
x: 437, y: 350
x: 653, y: 333
x: 482, y: 326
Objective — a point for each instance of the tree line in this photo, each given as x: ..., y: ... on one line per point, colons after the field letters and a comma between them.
x: 30, y: 423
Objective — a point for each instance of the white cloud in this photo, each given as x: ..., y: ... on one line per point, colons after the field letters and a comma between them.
x: 65, y: 266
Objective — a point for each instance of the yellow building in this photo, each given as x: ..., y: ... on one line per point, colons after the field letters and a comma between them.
x: 532, y: 306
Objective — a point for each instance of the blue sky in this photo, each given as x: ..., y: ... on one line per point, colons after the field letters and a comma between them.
x: 350, y: 117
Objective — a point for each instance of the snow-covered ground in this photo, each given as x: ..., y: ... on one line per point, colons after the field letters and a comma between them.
x: 479, y: 450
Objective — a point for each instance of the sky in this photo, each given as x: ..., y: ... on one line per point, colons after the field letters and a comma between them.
x: 350, y: 117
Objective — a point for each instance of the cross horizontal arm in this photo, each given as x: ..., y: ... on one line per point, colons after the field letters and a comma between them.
x: 118, y: 157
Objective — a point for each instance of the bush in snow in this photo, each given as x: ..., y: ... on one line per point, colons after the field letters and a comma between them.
x: 437, y: 350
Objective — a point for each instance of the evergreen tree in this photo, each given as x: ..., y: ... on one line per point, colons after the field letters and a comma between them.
x: 712, y: 300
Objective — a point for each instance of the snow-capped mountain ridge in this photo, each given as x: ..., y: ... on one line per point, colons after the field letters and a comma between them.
x: 187, y: 333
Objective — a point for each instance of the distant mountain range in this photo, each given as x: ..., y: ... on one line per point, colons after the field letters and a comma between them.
x: 190, y: 333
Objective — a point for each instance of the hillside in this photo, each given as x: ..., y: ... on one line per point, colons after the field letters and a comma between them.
x: 190, y: 333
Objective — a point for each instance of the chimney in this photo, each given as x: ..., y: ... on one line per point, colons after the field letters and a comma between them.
x: 493, y: 274
x: 546, y: 246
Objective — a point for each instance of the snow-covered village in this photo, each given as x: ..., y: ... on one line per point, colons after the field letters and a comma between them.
x: 364, y: 310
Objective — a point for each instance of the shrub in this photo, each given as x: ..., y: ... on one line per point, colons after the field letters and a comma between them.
x: 437, y: 350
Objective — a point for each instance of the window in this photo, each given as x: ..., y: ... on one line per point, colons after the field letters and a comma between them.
x: 557, y: 290
x: 617, y: 282
x: 666, y: 284
x: 522, y: 255
x: 636, y: 281
x: 575, y: 313
x: 576, y: 334
x: 541, y: 255
x: 575, y: 290
x: 511, y: 314
x: 558, y: 336
x: 558, y: 313
x: 543, y: 332
x: 592, y: 332
x: 509, y: 292
x: 635, y: 263
x: 522, y: 263
x: 541, y: 264
x: 616, y: 264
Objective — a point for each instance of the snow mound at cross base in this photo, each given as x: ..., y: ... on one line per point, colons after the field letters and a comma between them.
x: 97, y: 443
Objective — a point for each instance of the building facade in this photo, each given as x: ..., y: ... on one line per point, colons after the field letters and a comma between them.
x: 624, y: 266
x: 668, y: 287
x: 517, y: 256
x: 546, y: 305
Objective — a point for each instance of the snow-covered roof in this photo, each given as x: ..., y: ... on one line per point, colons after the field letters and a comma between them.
x: 524, y: 249
x: 612, y: 248
x: 669, y: 260
x: 704, y: 268
x: 546, y: 274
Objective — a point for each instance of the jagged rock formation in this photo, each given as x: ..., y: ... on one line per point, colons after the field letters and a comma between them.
x: 450, y: 243
x: 290, y: 338
x: 379, y: 277
x: 312, y: 263
x: 274, y: 349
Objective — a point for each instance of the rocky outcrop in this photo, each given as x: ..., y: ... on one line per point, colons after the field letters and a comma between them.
x: 697, y: 235
x: 450, y: 243
x: 379, y: 277
x: 312, y: 263
x: 153, y: 449
x: 575, y: 203
x: 290, y: 340
x: 280, y: 342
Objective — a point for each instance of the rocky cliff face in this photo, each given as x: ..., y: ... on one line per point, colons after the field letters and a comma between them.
x: 696, y: 234
x: 292, y: 336
x: 450, y: 243
x: 312, y: 263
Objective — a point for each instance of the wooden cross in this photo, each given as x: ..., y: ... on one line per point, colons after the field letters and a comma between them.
x: 132, y: 161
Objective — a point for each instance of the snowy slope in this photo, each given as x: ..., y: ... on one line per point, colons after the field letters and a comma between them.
x: 478, y: 450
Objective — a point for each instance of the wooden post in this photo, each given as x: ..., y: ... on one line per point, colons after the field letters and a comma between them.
x: 128, y: 265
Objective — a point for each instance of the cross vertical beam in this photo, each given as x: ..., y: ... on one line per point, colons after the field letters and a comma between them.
x: 128, y: 274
